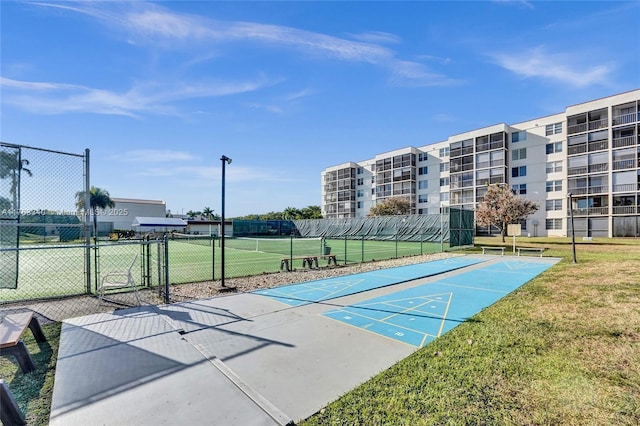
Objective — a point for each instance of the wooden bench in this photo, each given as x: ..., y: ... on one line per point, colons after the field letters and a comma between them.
x: 330, y: 258
x: 12, y: 327
x: 486, y: 249
x: 538, y: 250
x: 306, y: 260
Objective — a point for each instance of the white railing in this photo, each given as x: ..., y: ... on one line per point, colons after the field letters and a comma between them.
x: 625, y: 141
x: 624, y: 164
x: 625, y: 118
x: 577, y: 128
x: 600, y: 167
x: 626, y: 187
x: 599, y: 124
x: 625, y: 209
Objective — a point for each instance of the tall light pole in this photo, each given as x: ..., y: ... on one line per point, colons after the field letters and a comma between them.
x: 225, y: 160
x: 573, y: 229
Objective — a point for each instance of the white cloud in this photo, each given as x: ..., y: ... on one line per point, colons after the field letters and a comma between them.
x: 563, y: 68
x: 150, y: 23
x: 377, y: 37
x: 59, y: 98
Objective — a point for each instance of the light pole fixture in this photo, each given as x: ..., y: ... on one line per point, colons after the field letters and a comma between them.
x: 573, y: 229
x: 225, y: 160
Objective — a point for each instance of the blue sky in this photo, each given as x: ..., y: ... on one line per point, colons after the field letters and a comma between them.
x: 158, y: 91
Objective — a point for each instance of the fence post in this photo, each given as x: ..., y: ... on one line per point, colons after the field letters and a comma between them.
x: 166, y: 269
x: 213, y: 258
x: 345, y: 249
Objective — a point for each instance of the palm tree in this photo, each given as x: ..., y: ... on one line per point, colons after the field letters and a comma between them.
x: 207, y: 212
x: 11, y: 166
x: 98, y: 198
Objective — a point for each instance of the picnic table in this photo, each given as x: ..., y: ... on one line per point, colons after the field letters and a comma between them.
x: 12, y: 327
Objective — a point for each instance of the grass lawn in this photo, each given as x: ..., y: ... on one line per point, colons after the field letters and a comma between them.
x: 564, y: 349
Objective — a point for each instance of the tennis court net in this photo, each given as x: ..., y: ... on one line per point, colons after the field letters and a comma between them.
x: 285, y: 246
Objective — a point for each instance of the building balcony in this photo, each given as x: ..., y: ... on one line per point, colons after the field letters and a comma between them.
x: 590, y: 211
x: 578, y: 191
x: 599, y: 124
x: 602, y: 189
x: 626, y: 210
x: 577, y: 149
x: 598, y: 145
x: 580, y: 170
x: 625, y: 141
x: 598, y: 168
x: 576, y: 128
x: 626, y: 187
x: 630, y: 163
x: 631, y: 117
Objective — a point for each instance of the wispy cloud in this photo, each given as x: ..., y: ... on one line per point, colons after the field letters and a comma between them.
x: 146, y: 23
x: 563, y: 68
x: 58, y: 98
x: 520, y: 3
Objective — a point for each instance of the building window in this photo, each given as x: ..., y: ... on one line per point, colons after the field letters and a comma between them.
x: 519, y: 154
x: 360, y: 192
x: 423, y: 211
x: 444, y: 152
x: 423, y: 170
x: 519, y: 189
x: 423, y: 156
x: 444, y: 167
x: 553, y: 148
x: 423, y: 184
x: 518, y: 136
x: 554, y: 166
x: 444, y: 196
x: 553, y: 205
x: 360, y: 181
x: 553, y: 129
x: 553, y: 224
x: 360, y: 170
x: 423, y: 198
x: 519, y: 171
x: 444, y: 181
x: 554, y: 185
x: 360, y: 204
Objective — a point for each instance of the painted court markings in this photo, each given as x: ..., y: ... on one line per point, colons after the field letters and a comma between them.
x: 331, y: 288
x: 420, y: 314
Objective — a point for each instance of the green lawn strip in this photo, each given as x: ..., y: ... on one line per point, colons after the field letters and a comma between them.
x: 33, y: 391
x: 562, y: 349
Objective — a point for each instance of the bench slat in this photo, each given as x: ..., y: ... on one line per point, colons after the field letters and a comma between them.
x: 12, y: 327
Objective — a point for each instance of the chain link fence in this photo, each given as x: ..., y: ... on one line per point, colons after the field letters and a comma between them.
x: 51, y: 264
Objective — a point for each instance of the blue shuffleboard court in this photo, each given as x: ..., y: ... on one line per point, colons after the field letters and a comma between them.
x: 331, y: 288
x: 420, y: 314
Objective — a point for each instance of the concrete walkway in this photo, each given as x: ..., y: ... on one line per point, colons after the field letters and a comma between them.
x: 243, y: 359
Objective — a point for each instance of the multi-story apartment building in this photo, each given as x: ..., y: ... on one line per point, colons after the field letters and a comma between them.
x: 585, y: 161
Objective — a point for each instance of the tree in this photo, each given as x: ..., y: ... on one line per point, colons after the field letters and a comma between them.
x: 391, y: 207
x: 501, y: 207
x: 11, y: 166
x: 291, y: 213
x: 208, y: 213
x: 311, y: 212
x: 98, y: 198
